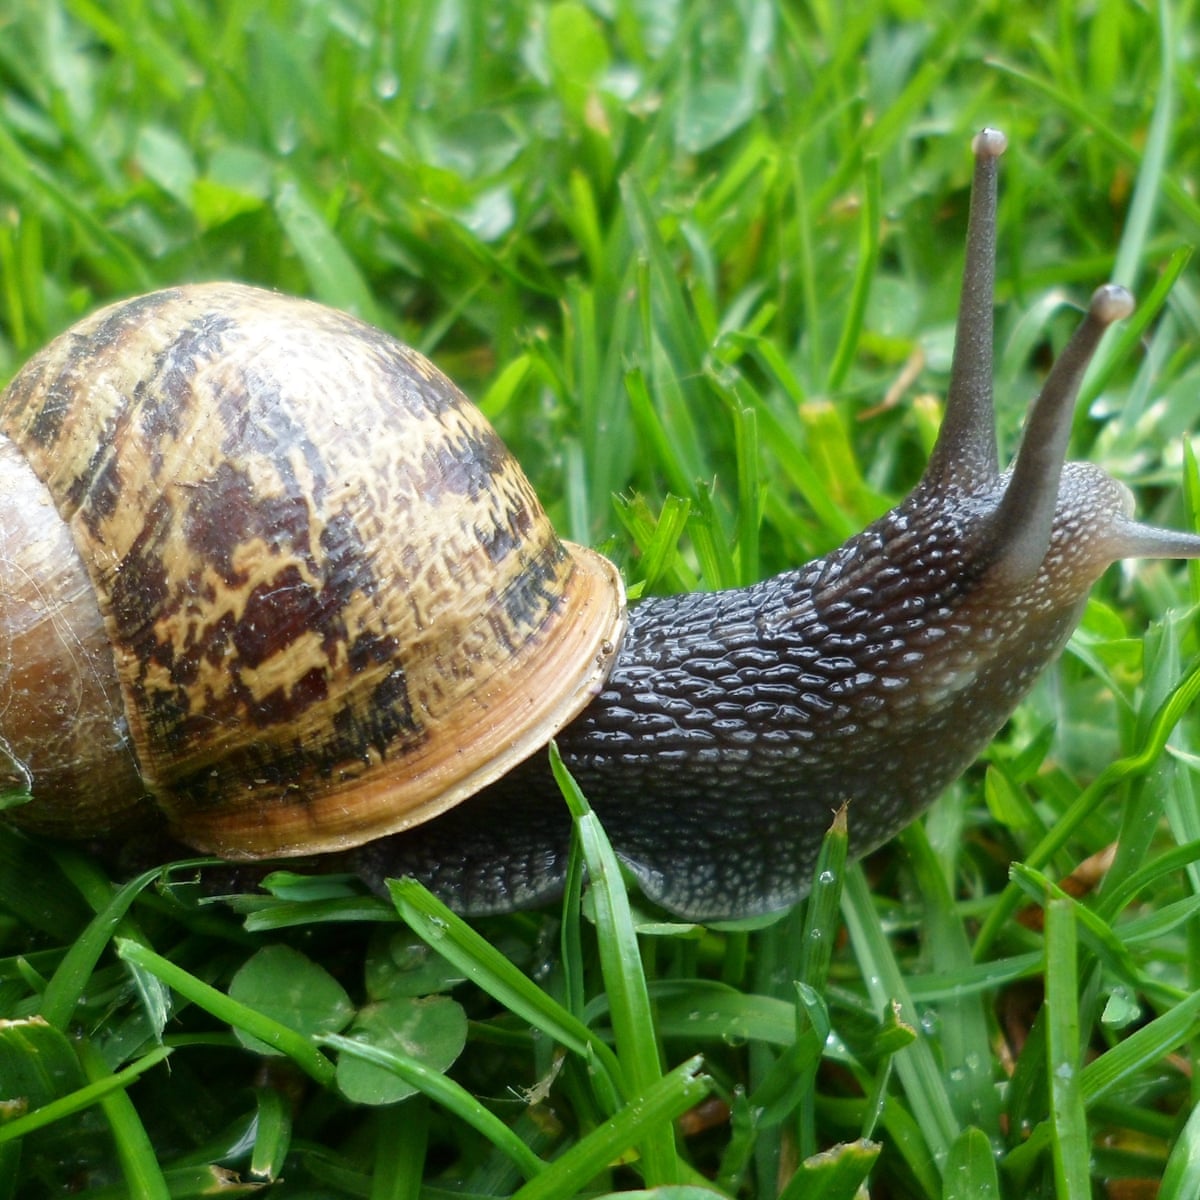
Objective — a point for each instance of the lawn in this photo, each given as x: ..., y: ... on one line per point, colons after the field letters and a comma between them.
x: 699, y: 264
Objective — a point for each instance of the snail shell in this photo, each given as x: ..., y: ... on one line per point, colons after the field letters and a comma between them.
x: 290, y: 576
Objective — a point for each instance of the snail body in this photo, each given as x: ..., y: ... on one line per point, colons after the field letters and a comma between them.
x: 315, y: 607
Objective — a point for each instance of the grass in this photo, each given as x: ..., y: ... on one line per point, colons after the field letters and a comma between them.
x: 699, y: 263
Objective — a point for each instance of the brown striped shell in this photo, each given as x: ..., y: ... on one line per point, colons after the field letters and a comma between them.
x: 262, y: 561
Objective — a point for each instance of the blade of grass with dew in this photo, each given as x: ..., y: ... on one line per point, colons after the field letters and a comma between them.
x: 919, y: 1074
x: 1141, y: 1050
x: 712, y: 1012
x: 821, y: 913
x: 978, y: 978
x: 1119, y: 1067
x: 783, y: 1084
x: 971, y: 1168
x: 621, y: 967
x: 904, y: 1129
x: 736, y: 1159
x: 963, y: 1027
x: 818, y: 934
x: 1068, y: 1117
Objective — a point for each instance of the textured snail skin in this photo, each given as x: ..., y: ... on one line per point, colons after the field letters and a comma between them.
x: 735, y: 723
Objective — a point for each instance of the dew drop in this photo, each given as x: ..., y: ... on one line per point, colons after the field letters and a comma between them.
x: 386, y: 84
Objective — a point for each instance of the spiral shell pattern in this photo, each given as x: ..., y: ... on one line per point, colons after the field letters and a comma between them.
x: 334, y: 603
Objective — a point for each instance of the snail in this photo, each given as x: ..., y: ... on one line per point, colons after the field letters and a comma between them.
x: 266, y: 570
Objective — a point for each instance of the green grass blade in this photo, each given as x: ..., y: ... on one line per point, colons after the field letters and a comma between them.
x: 919, y: 1075
x: 1181, y: 1179
x: 868, y: 258
x: 1165, y: 720
x: 964, y: 1031
x: 279, y: 1037
x: 134, y: 1148
x: 1154, y: 158
x: 672, y: 1095
x: 69, y: 982
x: 481, y: 962
x: 1068, y: 1120
x: 81, y: 1098
x: 335, y: 278
x: 622, y: 970
x: 839, y: 1173
x: 450, y: 1095
x: 1141, y: 1050
x: 971, y: 1169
